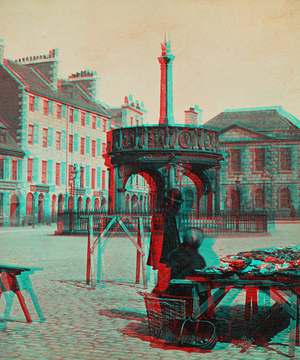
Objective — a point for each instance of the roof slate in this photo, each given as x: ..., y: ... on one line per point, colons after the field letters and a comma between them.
x: 261, y: 119
x: 36, y: 82
x: 10, y: 145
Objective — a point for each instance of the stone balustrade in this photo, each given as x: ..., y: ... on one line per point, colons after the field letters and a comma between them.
x: 165, y: 138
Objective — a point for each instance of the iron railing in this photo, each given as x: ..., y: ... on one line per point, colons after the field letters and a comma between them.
x: 224, y: 223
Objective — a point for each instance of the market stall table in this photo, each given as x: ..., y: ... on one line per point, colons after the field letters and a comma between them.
x: 270, y: 284
x: 14, y: 279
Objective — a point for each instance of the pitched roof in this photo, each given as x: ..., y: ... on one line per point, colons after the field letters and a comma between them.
x: 70, y: 93
x: 265, y: 119
x: 8, y: 144
x: 116, y: 114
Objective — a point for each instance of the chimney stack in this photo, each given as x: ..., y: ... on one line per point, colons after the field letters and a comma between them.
x: 193, y: 116
x: 88, y: 79
x: 48, y: 65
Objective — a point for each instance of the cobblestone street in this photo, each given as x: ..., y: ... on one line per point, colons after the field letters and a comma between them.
x: 107, y: 322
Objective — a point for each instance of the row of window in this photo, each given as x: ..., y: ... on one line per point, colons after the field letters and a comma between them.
x: 85, y: 142
x: 16, y: 169
x: 284, y: 198
x: 61, y: 113
x: 260, y: 159
x: 85, y: 177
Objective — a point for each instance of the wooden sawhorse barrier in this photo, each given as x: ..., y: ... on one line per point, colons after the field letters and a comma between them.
x: 102, y: 240
x: 10, y: 286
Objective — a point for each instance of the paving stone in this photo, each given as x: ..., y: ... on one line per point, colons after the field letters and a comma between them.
x: 109, y: 322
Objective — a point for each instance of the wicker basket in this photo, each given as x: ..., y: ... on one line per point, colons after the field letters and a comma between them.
x: 162, y: 310
x: 169, y: 319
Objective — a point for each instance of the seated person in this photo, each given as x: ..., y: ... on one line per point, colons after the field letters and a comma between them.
x: 184, y: 260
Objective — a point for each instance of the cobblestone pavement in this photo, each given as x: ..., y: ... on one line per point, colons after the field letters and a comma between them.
x: 108, y: 322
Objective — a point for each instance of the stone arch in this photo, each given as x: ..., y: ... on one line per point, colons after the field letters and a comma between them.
x: 127, y: 200
x: 134, y: 203
x: 53, y: 209
x: 29, y: 206
x: 71, y: 203
x: 103, y: 203
x: 258, y: 197
x: 189, y: 198
x: 41, y: 208
x: 285, y: 197
x: 47, y: 208
x: 14, y: 210
x: 96, y: 204
x: 79, y: 204
x: 140, y: 202
x: 153, y: 177
x: 88, y: 204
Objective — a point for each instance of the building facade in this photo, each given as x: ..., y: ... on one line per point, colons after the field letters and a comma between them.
x: 60, y: 129
x: 11, y: 162
x: 262, y: 166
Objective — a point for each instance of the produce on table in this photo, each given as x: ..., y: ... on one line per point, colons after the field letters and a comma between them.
x: 285, y: 259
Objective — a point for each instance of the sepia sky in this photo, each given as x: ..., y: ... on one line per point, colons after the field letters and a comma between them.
x: 229, y: 53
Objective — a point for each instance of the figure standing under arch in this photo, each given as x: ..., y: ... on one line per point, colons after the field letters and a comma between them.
x: 165, y: 238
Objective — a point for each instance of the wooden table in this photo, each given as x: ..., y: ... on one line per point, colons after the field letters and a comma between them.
x: 252, y: 284
x: 14, y: 279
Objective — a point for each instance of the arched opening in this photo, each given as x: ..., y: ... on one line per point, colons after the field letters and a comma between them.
x: 53, y: 208
x: 235, y: 200
x: 210, y: 203
x: 79, y: 204
x: 96, y: 204
x: 14, y: 210
x: 71, y: 203
x: 41, y: 209
x: 140, y: 206
x: 285, y: 198
x: 189, y: 200
x: 127, y: 202
x: 29, y: 208
x: 103, y: 203
x: 88, y: 204
x: 193, y: 191
x: 145, y: 183
x: 60, y: 208
x: 259, y: 198
x: 134, y: 203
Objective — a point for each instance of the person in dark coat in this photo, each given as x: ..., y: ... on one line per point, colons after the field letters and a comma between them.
x: 184, y: 260
x: 171, y: 239
x: 164, y: 239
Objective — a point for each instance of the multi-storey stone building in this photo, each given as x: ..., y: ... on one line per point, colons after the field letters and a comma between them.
x: 262, y: 166
x: 11, y: 158
x: 60, y: 128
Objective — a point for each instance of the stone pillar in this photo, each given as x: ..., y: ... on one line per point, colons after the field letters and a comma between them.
x: 166, y: 85
x: 117, y: 190
x: 217, y: 194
